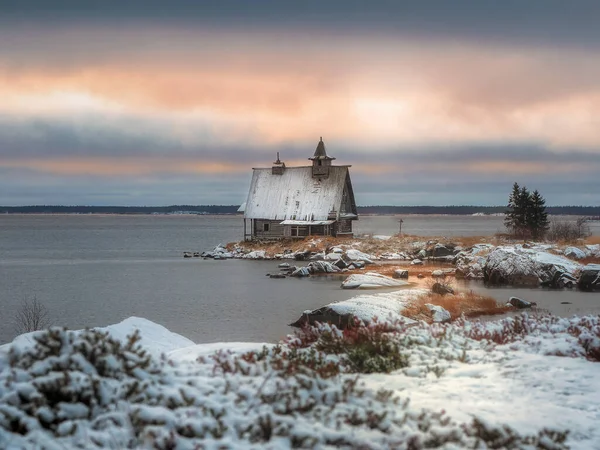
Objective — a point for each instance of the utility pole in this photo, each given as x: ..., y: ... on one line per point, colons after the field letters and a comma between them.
x: 400, y: 222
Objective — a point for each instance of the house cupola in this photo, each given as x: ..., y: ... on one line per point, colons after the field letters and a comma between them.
x: 320, y: 161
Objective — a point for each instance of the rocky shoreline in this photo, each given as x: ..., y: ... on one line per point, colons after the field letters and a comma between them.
x: 499, y: 263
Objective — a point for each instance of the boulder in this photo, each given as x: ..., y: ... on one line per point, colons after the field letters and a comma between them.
x: 439, y: 250
x: 469, y: 263
x: 322, y: 267
x: 400, y: 273
x: 520, y: 303
x: 416, y: 262
x: 383, y: 307
x: 333, y: 256
x: 284, y: 265
x: 589, y: 279
x: 574, y: 253
x: 371, y: 280
x: 517, y: 265
x: 356, y: 255
x: 438, y: 314
x: 441, y: 289
x: 256, y: 254
x: 300, y: 272
x: 301, y: 256
x: 438, y: 274
x: 341, y: 264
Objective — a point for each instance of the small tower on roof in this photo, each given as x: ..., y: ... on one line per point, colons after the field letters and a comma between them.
x: 320, y: 161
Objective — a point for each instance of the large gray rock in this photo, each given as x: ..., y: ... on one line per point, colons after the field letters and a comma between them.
x: 322, y: 267
x: 371, y: 280
x: 589, y: 279
x: 527, y: 267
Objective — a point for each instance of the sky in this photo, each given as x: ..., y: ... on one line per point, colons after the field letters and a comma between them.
x: 147, y: 102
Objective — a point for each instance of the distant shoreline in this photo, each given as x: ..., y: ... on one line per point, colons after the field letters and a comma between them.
x: 465, y: 210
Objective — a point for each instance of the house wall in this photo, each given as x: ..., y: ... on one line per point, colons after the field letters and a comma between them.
x: 275, y: 229
x: 343, y: 227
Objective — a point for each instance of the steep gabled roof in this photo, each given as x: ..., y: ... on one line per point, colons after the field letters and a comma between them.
x: 295, y: 194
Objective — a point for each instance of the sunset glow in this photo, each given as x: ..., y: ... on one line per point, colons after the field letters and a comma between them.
x: 145, y: 98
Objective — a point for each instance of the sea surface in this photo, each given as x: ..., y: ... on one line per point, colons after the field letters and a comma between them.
x: 95, y: 270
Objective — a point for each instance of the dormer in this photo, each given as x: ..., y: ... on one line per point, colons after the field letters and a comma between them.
x: 320, y: 161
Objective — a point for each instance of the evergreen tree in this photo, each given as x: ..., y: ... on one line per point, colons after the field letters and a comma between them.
x: 537, y: 221
x: 510, y: 218
x: 526, y: 215
x: 523, y: 212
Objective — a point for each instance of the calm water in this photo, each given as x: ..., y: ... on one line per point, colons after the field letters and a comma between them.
x: 92, y: 270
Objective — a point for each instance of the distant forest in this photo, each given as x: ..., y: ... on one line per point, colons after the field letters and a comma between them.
x: 232, y: 209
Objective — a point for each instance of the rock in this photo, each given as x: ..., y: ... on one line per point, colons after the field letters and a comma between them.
x: 400, y: 273
x: 416, y: 262
x: 385, y: 307
x: 358, y: 264
x: 441, y: 289
x: 277, y: 275
x: 357, y: 255
x: 574, y: 252
x: 284, y: 265
x: 516, y: 265
x: 589, y: 279
x: 341, y: 264
x: 300, y: 272
x: 333, y: 256
x: 301, y: 256
x: 371, y: 280
x: 438, y: 274
x: 420, y: 275
x: 438, y: 314
x: 256, y: 254
x: 196, y: 254
x: 469, y: 263
x: 422, y: 254
x: 520, y: 303
x: 322, y: 267
x: 440, y: 250
x: 187, y: 254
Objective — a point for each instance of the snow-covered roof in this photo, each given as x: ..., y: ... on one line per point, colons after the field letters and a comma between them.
x: 307, y: 222
x: 295, y: 194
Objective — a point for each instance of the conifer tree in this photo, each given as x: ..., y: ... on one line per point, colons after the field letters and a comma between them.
x: 510, y: 219
x: 526, y: 215
x: 537, y: 217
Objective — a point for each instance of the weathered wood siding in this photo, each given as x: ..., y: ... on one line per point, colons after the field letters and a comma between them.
x: 275, y: 229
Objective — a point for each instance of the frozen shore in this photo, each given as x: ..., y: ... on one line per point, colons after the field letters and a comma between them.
x: 499, y: 263
x: 534, y: 375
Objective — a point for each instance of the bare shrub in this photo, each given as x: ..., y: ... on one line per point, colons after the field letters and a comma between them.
x: 32, y: 315
x: 568, y: 231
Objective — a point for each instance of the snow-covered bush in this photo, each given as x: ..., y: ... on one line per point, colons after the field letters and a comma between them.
x: 88, y: 390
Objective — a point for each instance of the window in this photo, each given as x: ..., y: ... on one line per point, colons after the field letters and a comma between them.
x: 266, y: 227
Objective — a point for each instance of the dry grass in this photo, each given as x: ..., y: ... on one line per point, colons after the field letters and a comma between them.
x: 589, y: 260
x: 593, y: 240
x: 468, y: 304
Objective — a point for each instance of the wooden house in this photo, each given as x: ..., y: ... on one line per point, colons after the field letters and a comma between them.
x: 295, y: 202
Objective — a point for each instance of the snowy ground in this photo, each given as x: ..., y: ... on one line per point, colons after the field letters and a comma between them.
x: 519, y: 381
